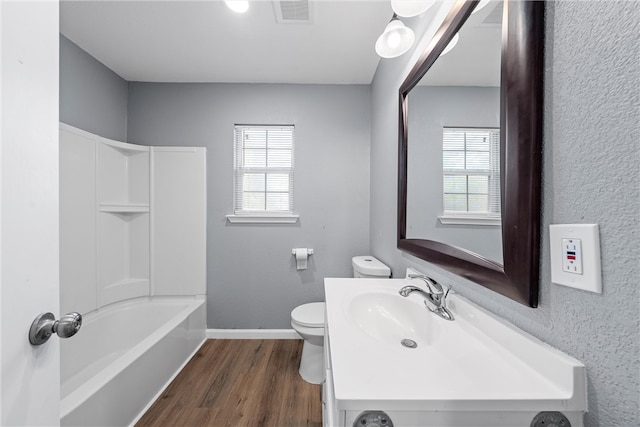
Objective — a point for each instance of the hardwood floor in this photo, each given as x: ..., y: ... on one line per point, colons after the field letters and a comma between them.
x: 240, y: 383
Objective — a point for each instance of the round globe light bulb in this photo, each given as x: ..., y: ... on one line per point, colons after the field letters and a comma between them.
x: 395, y: 40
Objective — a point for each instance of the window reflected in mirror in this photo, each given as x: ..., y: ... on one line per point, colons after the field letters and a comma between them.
x: 453, y: 176
x: 471, y: 174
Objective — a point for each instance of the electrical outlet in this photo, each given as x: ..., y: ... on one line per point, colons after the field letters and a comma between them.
x: 575, y: 256
x: 572, y: 256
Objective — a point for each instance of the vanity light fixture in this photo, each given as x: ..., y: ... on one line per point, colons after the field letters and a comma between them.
x: 239, y: 6
x: 395, y: 40
x: 409, y: 8
x: 451, y: 45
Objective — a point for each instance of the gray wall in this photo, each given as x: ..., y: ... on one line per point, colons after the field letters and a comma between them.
x: 430, y: 109
x: 252, y: 280
x: 92, y: 97
x: 591, y: 175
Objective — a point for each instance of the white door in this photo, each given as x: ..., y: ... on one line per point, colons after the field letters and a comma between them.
x: 29, y: 376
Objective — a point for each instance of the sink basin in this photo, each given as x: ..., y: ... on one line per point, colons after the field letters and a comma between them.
x: 391, y: 318
x: 475, y: 370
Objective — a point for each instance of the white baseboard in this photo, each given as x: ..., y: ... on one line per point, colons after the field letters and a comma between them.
x: 253, y: 334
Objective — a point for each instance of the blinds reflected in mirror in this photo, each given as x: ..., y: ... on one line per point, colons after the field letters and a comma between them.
x: 471, y: 171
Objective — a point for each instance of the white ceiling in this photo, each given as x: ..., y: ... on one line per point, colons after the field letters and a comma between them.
x: 204, y: 41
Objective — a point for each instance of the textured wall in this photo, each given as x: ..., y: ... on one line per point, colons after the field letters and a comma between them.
x: 252, y: 280
x: 92, y: 97
x: 591, y: 175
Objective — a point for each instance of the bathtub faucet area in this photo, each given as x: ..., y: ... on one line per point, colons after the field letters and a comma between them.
x: 435, y: 296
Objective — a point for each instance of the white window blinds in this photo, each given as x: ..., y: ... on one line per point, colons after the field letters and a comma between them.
x: 263, y: 178
x: 471, y: 171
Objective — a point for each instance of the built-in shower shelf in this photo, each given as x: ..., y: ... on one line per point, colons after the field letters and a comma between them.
x: 123, y: 208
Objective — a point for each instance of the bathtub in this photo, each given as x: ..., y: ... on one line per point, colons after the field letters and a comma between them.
x: 123, y: 357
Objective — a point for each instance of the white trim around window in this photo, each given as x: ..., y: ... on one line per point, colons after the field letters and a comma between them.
x: 263, y: 219
x: 263, y: 174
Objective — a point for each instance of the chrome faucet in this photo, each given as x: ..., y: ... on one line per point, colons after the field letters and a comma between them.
x: 435, y: 297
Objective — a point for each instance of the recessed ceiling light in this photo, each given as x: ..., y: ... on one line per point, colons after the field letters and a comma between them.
x: 239, y: 6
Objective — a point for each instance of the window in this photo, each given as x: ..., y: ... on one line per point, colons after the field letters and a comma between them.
x: 263, y: 174
x: 471, y: 174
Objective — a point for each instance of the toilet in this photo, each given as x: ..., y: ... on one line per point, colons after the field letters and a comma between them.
x: 308, y: 320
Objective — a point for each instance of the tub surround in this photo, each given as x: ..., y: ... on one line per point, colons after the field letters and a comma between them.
x: 132, y: 220
x: 477, y: 364
x: 133, y: 263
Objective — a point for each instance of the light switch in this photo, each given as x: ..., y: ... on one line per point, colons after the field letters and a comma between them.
x: 575, y: 256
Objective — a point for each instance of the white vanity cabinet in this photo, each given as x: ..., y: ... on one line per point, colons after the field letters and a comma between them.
x: 132, y: 220
x: 330, y: 414
x: 474, y: 371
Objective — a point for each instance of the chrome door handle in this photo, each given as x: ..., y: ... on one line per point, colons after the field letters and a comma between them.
x: 45, y: 324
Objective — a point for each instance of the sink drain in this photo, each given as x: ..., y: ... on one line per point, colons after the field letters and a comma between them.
x: 409, y: 343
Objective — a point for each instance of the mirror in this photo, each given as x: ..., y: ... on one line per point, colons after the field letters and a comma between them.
x: 496, y: 245
x: 454, y: 129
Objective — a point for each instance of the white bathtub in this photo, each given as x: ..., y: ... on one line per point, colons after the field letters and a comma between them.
x: 124, y: 355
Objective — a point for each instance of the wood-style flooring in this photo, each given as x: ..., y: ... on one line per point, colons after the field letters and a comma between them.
x: 239, y: 383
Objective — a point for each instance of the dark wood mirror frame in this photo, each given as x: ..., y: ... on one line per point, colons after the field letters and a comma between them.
x: 521, y: 109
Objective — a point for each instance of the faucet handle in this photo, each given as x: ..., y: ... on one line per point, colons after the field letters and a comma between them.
x: 443, y: 300
x: 434, y: 287
x: 446, y: 292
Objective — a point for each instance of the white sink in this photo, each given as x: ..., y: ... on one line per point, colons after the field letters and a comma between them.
x: 475, y: 367
x: 390, y: 318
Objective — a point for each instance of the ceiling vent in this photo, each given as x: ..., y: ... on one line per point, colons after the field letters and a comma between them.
x: 292, y: 11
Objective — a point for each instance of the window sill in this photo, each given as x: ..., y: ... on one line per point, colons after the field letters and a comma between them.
x: 263, y: 219
x: 449, y: 219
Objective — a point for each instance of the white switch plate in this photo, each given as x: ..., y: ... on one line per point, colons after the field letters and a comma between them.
x: 584, y: 240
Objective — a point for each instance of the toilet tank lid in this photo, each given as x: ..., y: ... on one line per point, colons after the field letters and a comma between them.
x: 370, y: 265
x: 311, y: 314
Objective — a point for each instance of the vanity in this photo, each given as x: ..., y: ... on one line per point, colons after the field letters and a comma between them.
x: 385, y: 352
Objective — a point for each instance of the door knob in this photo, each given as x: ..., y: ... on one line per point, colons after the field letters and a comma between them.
x: 45, y: 324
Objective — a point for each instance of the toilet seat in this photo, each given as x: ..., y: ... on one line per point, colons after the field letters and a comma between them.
x: 310, y: 315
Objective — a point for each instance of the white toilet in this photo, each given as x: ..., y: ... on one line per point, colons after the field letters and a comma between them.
x: 308, y: 321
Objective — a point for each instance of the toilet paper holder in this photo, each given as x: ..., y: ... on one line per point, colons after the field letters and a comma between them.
x: 294, y: 251
x: 301, y: 255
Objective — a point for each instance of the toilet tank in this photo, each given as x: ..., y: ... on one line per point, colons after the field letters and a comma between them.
x: 368, y: 266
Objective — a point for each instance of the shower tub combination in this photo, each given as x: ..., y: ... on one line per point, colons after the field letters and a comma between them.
x: 124, y: 356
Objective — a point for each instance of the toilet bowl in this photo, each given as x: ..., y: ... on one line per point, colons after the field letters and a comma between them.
x: 308, y: 321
